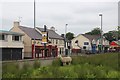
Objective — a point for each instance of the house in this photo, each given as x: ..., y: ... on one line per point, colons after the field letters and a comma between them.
x: 52, y: 49
x: 85, y: 42
x: 12, y: 46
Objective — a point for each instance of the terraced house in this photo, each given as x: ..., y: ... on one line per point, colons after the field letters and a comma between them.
x: 54, y: 48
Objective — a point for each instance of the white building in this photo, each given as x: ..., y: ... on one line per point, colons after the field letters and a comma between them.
x: 88, y: 42
x: 12, y: 46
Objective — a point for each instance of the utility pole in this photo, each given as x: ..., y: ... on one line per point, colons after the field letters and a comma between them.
x: 34, y: 29
x: 45, y: 30
x: 65, y: 39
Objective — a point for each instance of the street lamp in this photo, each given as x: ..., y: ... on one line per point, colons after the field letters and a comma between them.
x: 65, y: 38
x: 101, y: 33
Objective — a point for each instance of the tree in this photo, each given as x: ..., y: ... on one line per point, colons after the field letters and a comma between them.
x: 95, y: 31
x: 109, y: 36
x: 112, y: 35
x: 70, y: 36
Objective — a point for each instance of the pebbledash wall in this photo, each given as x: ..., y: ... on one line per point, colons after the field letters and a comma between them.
x: 56, y: 46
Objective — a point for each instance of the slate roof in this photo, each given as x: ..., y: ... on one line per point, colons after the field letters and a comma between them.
x: 51, y: 34
x: 31, y: 32
x: 10, y: 32
x: 91, y: 37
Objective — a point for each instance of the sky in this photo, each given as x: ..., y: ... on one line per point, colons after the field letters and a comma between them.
x: 80, y: 15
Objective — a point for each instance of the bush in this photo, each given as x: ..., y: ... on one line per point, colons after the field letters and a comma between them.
x: 113, y: 74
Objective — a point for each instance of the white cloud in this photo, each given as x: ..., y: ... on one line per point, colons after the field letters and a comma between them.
x: 80, y: 16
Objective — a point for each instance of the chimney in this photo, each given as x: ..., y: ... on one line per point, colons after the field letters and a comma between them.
x: 63, y: 35
x: 16, y: 24
x: 52, y: 28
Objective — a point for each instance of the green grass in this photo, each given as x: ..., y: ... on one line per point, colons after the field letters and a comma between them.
x: 94, y: 66
x: 110, y: 59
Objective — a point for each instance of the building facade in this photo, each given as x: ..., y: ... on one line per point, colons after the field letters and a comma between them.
x: 54, y: 38
x: 85, y: 42
x: 34, y: 35
x: 12, y: 46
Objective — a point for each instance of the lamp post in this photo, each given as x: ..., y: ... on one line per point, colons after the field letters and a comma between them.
x: 65, y: 39
x: 101, y: 34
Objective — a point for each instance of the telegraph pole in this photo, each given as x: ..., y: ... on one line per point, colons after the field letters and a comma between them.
x: 45, y: 30
x: 34, y: 29
x: 65, y: 39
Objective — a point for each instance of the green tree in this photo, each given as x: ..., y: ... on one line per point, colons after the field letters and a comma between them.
x: 70, y: 36
x: 112, y: 35
x: 109, y: 36
x: 95, y: 31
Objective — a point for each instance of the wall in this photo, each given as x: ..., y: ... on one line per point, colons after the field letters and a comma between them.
x: 26, y: 40
x: 60, y: 45
x: 81, y: 39
x: 9, y: 43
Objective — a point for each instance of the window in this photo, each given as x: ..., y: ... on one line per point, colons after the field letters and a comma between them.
x: 16, y: 38
x: 53, y: 41
x: 56, y: 41
x: 3, y: 37
x: 84, y: 47
x: 86, y: 43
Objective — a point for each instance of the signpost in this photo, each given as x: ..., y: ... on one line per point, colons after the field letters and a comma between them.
x: 44, y: 37
x: 44, y: 40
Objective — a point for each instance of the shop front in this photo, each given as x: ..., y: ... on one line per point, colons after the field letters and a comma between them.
x: 51, y: 51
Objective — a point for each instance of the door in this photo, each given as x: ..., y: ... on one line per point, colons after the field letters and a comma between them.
x: 11, y: 53
x: 94, y: 48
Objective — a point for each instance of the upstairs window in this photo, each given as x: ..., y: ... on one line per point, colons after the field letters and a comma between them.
x: 3, y: 37
x: 53, y: 41
x: 16, y: 38
x: 86, y: 43
x: 56, y: 41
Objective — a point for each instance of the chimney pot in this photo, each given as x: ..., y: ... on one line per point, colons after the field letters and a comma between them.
x: 16, y: 23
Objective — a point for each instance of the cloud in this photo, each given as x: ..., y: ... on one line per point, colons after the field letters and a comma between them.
x: 119, y: 13
x: 80, y: 16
